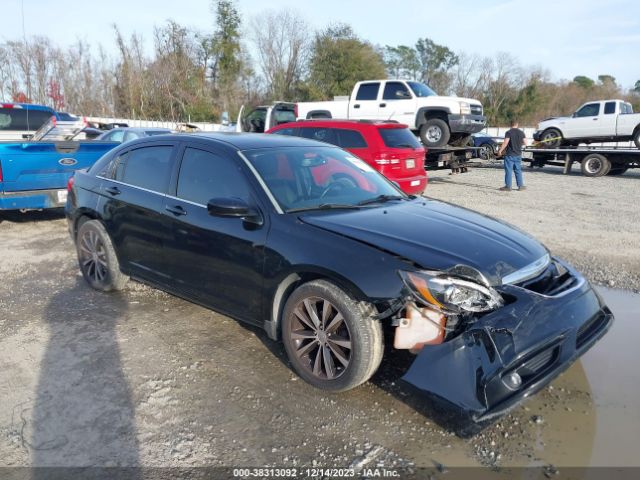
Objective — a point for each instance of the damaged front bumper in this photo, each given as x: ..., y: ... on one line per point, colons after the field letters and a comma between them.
x: 535, y: 336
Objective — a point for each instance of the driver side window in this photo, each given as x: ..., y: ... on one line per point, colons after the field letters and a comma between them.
x: 589, y: 110
x: 395, y: 91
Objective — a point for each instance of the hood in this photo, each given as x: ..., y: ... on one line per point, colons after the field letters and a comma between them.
x: 436, y: 235
x: 471, y: 101
x: 553, y: 121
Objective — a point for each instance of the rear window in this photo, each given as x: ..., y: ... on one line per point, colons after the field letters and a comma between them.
x: 368, y: 91
x: 284, y: 116
x: 321, y: 134
x: 351, y: 139
x: 399, y: 138
x: 23, y: 119
x: 609, y: 108
x: 146, y: 167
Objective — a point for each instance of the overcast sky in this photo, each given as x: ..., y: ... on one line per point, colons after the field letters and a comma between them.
x: 568, y: 37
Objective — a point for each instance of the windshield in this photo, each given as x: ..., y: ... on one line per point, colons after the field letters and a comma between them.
x: 421, y: 90
x: 308, y: 178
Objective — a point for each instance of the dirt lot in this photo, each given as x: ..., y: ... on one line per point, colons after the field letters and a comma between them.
x: 143, y: 378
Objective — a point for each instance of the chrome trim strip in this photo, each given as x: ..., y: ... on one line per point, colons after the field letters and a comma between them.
x: 275, y: 203
x: 532, y: 270
x: 132, y: 186
x: 580, y: 282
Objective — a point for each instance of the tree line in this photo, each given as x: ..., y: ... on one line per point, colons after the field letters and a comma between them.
x: 275, y: 55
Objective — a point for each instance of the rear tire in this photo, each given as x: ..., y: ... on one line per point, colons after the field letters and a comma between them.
x: 636, y: 138
x: 97, y: 258
x: 331, y: 339
x: 435, y: 133
x: 595, y: 165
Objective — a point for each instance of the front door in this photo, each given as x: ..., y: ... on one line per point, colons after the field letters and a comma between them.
x: 217, y: 261
x: 397, y: 103
x: 584, y: 124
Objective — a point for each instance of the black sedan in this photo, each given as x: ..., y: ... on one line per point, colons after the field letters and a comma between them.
x: 313, y: 245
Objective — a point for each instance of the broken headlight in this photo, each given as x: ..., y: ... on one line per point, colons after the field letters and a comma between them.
x: 451, y: 294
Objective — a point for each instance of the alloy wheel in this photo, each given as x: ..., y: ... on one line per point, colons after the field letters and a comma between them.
x: 93, y: 256
x: 321, y: 338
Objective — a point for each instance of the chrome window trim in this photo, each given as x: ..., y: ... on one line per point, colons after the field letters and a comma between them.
x: 273, y: 200
x: 529, y: 271
x: 130, y: 185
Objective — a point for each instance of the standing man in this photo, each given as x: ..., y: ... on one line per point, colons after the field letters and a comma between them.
x: 512, y: 149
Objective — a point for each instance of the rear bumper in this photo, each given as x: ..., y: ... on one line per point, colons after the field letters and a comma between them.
x: 413, y: 185
x: 535, y: 336
x: 467, y: 123
x: 33, y: 199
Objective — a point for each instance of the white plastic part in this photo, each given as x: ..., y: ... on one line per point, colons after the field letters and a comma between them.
x: 420, y: 327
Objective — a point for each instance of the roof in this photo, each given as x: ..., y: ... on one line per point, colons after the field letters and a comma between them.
x: 330, y: 122
x: 250, y: 141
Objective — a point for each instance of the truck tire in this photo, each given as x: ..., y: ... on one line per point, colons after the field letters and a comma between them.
x: 636, y: 138
x: 595, y: 165
x: 435, y: 133
x: 551, y: 138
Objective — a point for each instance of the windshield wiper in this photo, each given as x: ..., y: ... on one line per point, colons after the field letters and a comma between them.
x: 326, y: 206
x: 381, y: 199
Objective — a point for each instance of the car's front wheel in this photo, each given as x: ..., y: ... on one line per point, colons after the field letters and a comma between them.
x: 331, y: 339
x: 97, y: 258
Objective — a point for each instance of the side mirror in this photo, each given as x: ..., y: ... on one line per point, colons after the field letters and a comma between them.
x: 402, y: 94
x: 234, y: 208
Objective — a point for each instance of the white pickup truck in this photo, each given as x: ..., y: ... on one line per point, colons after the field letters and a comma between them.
x: 602, y: 121
x: 438, y: 120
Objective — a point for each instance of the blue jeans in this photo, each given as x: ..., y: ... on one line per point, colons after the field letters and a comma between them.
x: 511, y: 165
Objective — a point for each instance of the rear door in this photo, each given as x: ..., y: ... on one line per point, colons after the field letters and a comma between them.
x: 217, y: 261
x: 397, y: 103
x: 353, y: 141
x: 607, y: 122
x: 365, y: 104
x: 132, y: 199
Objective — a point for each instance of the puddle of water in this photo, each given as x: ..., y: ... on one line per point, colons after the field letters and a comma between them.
x: 598, y: 422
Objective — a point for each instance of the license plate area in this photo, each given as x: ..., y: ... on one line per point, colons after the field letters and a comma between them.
x: 61, y: 196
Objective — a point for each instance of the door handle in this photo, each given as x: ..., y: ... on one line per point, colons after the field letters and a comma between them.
x: 113, y: 190
x: 176, y: 210
x: 357, y: 105
x: 595, y: 119
x: 383, y: 105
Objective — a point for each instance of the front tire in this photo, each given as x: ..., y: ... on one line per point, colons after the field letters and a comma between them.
x: 435, y: 133
x: 551, y: 138
x: 331, y: 339
x: 97, y: 258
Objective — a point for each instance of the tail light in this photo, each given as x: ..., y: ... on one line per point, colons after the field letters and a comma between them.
x: 295, y: 110
x: 70, y: 183
x: 0, y: 172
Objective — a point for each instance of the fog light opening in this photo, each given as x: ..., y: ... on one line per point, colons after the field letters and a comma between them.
x: 513, y: 381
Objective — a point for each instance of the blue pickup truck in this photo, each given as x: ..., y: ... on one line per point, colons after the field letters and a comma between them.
x: 34, y: 175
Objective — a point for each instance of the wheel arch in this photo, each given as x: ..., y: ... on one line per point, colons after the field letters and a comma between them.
x: 291, y: 281
x: 425, y: 113
x: 318, y: 114
x: 83, y: 215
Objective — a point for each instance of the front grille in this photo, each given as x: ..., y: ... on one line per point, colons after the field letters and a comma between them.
x: 554, y: 280
x: 591, y: 328
x: 476, y: 109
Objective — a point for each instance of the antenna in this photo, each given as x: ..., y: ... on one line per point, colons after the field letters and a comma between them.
x: 24, y: 39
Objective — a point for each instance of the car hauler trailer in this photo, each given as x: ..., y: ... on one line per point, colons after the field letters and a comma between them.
x: 450, y: 157
x: 594, y: 161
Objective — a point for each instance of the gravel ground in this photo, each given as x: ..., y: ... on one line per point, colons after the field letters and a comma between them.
x: 144, y: 378
x: 594, y: 223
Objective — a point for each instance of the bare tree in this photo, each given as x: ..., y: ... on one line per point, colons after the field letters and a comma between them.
x: 282, y: 42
